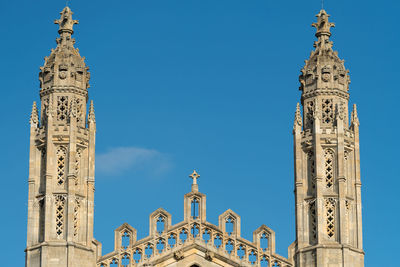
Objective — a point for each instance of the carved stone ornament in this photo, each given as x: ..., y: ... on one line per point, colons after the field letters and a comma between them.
x: 209, y: 255
x: 326, y: 73
x: 63, y: 68
x: 178, y: 255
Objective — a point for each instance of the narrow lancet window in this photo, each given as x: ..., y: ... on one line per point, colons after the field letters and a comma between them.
x: 125, y: 240
x: 160, y: 224
x: 229, y: 225
x: 195, y: 208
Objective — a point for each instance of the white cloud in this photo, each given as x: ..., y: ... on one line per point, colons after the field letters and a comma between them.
x: 133, y: 159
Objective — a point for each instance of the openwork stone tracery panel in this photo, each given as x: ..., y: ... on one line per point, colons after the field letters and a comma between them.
x: 327, y: 111
x: 330, y: 213
x: 329, y: 168
x: 61, y: 165
x: 60, y: 215
x: 62, y: 108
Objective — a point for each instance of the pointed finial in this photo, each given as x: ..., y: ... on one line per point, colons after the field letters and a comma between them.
x: 297, y: 117
x: 34, y: 120
x: 66, y: 22
x: 91, y: 116
x: 323, y: 25
x: 354, y: 116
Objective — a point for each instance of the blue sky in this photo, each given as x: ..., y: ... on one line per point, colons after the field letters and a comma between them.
x: 209, y: 85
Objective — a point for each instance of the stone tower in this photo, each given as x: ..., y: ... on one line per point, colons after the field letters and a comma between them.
x: 327, y: 162
x: 61, y: 165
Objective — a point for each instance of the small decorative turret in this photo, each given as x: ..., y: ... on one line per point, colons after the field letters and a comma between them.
x: 34, y: 120
x: 354, y: 116
x: 297, y: 118
x: 91, y: 116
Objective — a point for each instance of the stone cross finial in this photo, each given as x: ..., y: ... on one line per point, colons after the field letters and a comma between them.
x: 66, y: 22
x: 194, y: 176
x: 323, y: 25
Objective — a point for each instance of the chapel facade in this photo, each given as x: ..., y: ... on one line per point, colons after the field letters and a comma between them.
x: 61, y: 180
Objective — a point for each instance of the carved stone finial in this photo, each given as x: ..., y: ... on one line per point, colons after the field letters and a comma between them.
x: 34, y: 120
x: 66, y: 22
x: 323, y: 25
x: 297, y: 118
x: 195, y: 176
x: 91, y: 116
x: 354, y: 116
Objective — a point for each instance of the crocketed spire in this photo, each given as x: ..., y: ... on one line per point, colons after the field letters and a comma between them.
x: 65, y: 67
x: 324, y: 69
